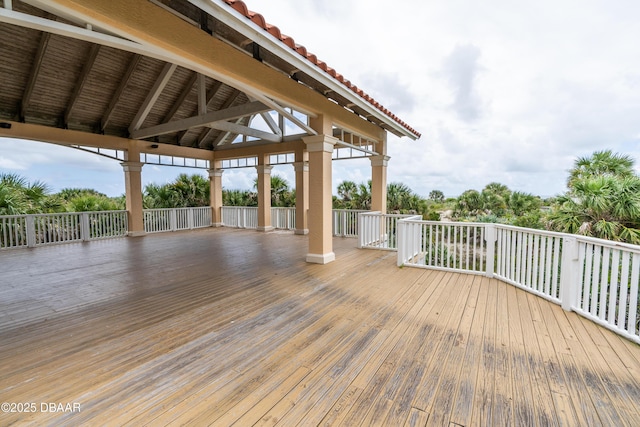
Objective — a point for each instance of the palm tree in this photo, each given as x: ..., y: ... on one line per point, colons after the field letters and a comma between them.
x: 348, y: 191
x: 363, y: 197
x: 437, y: 196
x: 191, y: 190
x: 159, y: 196
x: 92, y: 203
x: 398, y: 196
x: 601, y: 163
x: 603, y: 199
x: 18, y: 196
x: 469, y: 203
x: 281, y: 194
x: 521, y: 203
x: 495, y: 197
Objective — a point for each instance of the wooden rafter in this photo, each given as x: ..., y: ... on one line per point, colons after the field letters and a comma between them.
x: 202, y: 94
x: 211, y: 96
x: 198, y: 121
x: 222, y: 136
x: 207, y: 132
x: 271, y: 123
x: 178, y: 103
x: 124, y: 81
x: 152, y: 97
x: 245, y: 130
x: 82, y: 80
x: 33, y: 76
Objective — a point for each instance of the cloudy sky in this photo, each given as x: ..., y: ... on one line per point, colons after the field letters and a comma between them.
x: 501, y: 90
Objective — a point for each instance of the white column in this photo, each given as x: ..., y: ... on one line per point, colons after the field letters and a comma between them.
x: 133, y: 192
x: 302, y: 196
x: 264, y: 197
x: 320, y: 148
x: 215, y: 196
x: 379, y: 183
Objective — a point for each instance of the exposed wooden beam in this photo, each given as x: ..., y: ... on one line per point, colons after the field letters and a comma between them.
x: 152, y: 97
x: 271, y: 123
x: 33, y: 76
x: 124, y: 81
x: 69, y: 137
x: 79, y: 33
x: 256, y: 148
x: 211, y: 96
x: 178, y: 103
x: 202, y: 94
x: 82, y: 80
x: 197, y: 121
x: 245, y: 130
x: 230, y: 100
x: 219, y: 140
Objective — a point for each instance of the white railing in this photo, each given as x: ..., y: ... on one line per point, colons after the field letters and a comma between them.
x: 379, y: 231
x: 443, y: 245
x: 529, y: 259
x: 175, y: 219
x: 240, y: 216
x: 13, y: 231
x: 345, y: 222
x: 596, y: 278
x: 609, y: 275
x: 45, y: 229
x: 283, y: 218
x: 107, y: 224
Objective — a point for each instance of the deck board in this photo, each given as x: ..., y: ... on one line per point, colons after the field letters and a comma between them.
x: 231, y: 327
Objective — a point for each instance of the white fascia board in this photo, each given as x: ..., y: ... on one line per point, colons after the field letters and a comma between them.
x: 234, y: 19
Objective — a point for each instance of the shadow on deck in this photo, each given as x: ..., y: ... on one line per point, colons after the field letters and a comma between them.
x: 223, y: 326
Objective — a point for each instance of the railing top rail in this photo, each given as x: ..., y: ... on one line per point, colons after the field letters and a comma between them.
x: 578, y: 237
x: 378, y: 213
x: 607, y: 243
x: 459, y: 223
x: 12, y: 216
x: 61, y: 213
x: 412, y: 218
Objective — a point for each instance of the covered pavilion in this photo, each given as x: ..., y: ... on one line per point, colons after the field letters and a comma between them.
x: 204, y: 83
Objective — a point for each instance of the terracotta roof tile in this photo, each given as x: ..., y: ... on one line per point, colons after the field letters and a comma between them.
x: 259, y: 20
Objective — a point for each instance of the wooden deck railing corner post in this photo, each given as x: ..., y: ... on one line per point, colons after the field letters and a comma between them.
x: 30, y: 225
x: 85, y: 232
x: 190, y: 218
x: 361, y: 230
x: 173, y: 223
x: 402, y: 242
x: 490, y: 238
x: 569, y: 273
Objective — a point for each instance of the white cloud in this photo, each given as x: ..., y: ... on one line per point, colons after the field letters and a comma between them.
x: 461, y: 70
x: 7, y: 163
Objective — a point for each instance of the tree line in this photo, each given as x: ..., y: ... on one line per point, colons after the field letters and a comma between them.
x: 602, y: 199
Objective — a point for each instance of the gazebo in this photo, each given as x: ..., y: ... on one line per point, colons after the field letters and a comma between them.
x: 189, y: 82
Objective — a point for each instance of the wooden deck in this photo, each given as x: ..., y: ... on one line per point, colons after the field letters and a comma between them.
x: 229, y: 327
